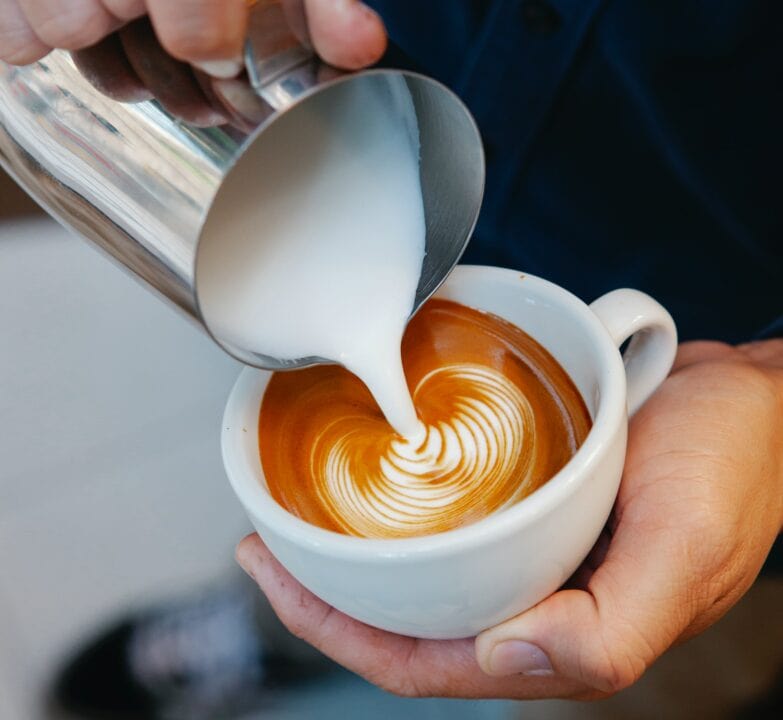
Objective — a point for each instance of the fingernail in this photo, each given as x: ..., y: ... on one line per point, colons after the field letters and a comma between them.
x: 516, y: 657
x: 221, y: 69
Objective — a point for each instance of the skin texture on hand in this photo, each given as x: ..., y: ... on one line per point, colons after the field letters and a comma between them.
x: 700, y: 504
x: 134, y: 50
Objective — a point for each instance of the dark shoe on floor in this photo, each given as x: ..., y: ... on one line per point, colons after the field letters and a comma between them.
x: 214, y: 656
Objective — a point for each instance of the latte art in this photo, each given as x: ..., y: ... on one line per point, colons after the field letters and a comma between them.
x: 499, y: 418
x: 481, y: 452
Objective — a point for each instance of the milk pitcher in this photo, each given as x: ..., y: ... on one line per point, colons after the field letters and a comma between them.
x: 141, y: 183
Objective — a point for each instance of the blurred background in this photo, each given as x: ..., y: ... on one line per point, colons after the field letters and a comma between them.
x: 113, y: 500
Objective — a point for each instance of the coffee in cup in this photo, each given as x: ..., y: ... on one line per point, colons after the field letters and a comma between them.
x: 501, y: 416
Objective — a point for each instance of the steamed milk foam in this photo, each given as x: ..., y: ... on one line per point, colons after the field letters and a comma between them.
x: 315, y: 246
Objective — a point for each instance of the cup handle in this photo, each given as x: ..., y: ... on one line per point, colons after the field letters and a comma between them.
x: 650, y: 354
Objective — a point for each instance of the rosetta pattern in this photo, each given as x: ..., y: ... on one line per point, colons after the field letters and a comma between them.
x: 474, y: 459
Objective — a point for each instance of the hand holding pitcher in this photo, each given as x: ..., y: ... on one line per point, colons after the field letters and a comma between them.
x: 135, y: 50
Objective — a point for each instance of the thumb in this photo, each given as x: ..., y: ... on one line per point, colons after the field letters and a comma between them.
x: 604, y: 637
x: 346, y: 34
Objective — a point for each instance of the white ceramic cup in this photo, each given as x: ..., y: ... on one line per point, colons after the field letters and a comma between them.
x: 457, y: 583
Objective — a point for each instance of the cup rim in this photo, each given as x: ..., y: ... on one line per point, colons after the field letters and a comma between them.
x: 259, y: 503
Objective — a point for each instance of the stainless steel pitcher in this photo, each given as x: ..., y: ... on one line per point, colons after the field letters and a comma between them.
x: 140, y: 183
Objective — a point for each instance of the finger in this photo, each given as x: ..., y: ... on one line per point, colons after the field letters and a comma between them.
x: 347, y: 34
x: 72, y: 25
x: 171, y: 82
x: 765, y: 352
x: 696, y: 351
x: 207, y: 33
x: 19, y: 45
x: 235, y: 99
x: 402, y: 665
x: 361, y: 648
x: 107, y: 68
x: 241, y: 102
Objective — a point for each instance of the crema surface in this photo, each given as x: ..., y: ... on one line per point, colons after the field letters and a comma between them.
x: 501, y: 418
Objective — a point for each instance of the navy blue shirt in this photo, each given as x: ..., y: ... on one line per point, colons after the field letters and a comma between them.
x: 629, y: 143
